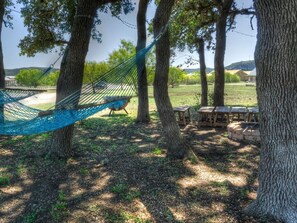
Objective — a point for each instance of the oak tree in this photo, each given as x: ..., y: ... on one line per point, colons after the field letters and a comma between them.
x: 276, y: 60
x: 176, y: 144
x: 143, y: 102
x: 48, y: 23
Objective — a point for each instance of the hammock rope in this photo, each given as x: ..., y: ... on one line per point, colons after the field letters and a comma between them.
x: 111, y: 90
x: 8, y: 95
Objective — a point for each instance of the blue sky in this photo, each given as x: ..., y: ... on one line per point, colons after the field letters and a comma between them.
x: 240, y: 42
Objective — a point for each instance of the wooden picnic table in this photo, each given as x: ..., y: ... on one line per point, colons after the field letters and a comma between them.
x: 239, y: 114
x: 253, y: 114
x: 205, y: 116
x: 221, y: 116
x: 183, y: 114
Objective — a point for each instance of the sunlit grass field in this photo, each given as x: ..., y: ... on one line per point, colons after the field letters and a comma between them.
x: 235, y: 95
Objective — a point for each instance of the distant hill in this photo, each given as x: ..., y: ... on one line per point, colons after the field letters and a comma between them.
x: 242, y: 65
x: 189, y: 70
x: 13, y: 72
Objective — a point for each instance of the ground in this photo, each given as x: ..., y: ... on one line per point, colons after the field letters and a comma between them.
x: 119, y: 173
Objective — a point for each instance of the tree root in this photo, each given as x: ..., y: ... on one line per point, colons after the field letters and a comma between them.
x: 269, y: 213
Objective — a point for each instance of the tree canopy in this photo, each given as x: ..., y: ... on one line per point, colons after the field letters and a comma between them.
x: 125, y: 51
x: 49, y: 23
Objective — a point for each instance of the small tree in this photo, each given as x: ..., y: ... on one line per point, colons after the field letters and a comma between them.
x: 28, y: 77
x: 93, y: 71
x: 125, y: 51
x: 176, y: 75
x: 50, y: 79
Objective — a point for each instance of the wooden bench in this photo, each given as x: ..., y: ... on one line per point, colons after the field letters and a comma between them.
x: 205, y: 116
x: 221, y: 116
x: 184, y: 114
x: 238, y: 114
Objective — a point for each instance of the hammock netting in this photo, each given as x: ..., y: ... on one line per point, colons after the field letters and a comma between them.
x: 9, y: 95
x: 112, y: 90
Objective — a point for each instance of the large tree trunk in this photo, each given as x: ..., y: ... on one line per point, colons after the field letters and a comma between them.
x: 221, y: 25
x: 72, y: 68
x: 143, y: 102
x: 2, y: 71
x: 276, y: 63
x: 177, y: 147
x: 204, y: 86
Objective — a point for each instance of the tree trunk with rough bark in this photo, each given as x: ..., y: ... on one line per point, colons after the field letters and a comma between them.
x: 72, y: 68
x: 143, y: 115
x: 221, y: 24
x: 276, y: 63
x: 204, y: 86
x: 176, y: 144
x: 2, y: 71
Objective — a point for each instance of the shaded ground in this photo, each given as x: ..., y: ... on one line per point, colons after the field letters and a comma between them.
x: 119, y: 173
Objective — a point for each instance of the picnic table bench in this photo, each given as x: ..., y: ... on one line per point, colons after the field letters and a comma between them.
x: 221, y: 116
x: 253, y: 113
x: 184, y: 114
x: 238, y: 114
x: 205, y: 116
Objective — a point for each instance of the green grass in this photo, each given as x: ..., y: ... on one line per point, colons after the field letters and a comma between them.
x: 30, y: 218
x: 59, y: 208
x: 4, y: 181
x: 236, y: 94
x: 222, y: 187
x: 157, y: 151
x: 124, y: 192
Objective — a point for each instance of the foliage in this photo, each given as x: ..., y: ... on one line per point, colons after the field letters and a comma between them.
x: 93, y: 71
x: 28, y: 77
x: 125, y: 51
x: 7, y: 13
x: 210, y: 99
x: 49, y: 79
x: 176, y: 75
x: 193, y: 78
x: 49, y: 23
x: 32, y: 78
x: 229, y: 78
x: 194, y: 22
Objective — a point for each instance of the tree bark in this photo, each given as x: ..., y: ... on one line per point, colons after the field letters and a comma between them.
x: 143, y: 102
x: 2, y: 71
x: 204, y: 86
x: 276, y: 63
x: 176, y: 145
x: 72, y: 67
x: 221, y: 24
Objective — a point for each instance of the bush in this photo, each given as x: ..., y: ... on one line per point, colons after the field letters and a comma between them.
x: 229, y: 78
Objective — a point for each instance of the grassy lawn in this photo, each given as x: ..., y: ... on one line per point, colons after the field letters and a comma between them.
x: 119, y: 172
x: 235, y: 95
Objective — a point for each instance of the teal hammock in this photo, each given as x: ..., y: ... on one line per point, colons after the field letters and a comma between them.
x: 111, y: 90
x: 8, y: 95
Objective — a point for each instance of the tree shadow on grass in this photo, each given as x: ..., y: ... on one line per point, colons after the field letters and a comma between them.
x: 34, y: 180
x: 91, y: 180
x: 119, y: 173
